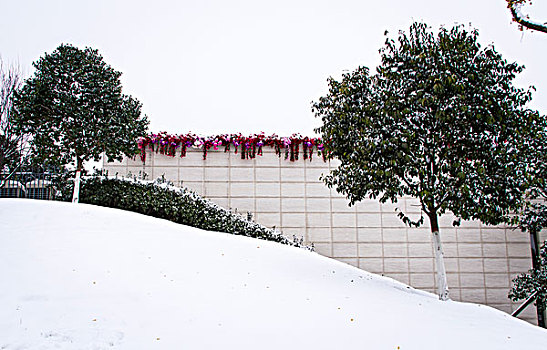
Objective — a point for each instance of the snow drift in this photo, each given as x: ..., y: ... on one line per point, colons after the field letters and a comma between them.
x: 86, y: 277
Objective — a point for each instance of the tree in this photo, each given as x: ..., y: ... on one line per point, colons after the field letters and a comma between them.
x: 13, y: 145
x: 74, y: 109
x: 514, y: 7
x: 439, y: 121
x: 533, y: 219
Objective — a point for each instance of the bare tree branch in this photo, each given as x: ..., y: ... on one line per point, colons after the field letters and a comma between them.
x: 524, y: 20
x: 14, y: 146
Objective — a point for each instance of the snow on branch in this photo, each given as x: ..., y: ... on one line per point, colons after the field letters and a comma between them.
x: 522, y: 19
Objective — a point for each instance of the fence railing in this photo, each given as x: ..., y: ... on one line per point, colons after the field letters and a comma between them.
x: 27, y: 184
x: 525, y: 304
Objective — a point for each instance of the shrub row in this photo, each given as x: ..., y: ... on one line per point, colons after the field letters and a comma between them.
x: 176, y: 204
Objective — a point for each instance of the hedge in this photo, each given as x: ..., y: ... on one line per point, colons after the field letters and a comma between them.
x: 161, y: 200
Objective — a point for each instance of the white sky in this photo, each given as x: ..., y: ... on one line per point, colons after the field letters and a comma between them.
x: 213, y: 66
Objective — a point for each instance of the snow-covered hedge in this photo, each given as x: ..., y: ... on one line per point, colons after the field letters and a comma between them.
x: 176, y: 204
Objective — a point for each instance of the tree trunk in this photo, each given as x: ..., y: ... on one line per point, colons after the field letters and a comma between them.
x: 76, y: 193
x: 442, y: 284
x: 536, y: 265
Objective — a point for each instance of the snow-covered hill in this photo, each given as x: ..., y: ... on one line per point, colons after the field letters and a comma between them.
x: 86, y: 277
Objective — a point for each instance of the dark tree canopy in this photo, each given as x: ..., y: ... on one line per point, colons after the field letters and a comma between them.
x: 74, y: 109
x: 439, y: 121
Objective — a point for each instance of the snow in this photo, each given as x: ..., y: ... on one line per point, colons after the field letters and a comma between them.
x: 76, y: 276
x: 518, y: 8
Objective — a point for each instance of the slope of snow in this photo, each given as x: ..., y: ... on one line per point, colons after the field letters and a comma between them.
x: 86, y: 277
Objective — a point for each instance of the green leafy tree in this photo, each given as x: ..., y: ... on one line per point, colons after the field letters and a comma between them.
x: 533, y: 219
x: 74, y: 110
x: 439, y: 121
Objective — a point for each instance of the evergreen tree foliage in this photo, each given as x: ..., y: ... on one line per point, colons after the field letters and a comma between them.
x: 10, y: 156
x: 533, y: 219
x: 74, y: 109
x: 440, y: 121
x: 535, y: 280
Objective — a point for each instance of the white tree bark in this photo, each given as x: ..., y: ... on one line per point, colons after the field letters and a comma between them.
x: 76, y: 193
x: 442, y: 283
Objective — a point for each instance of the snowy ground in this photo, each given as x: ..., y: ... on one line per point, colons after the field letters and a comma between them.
x: 85, y: 277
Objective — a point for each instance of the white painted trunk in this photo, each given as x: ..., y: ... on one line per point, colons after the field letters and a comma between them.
x: 76, y: 193
x: 442, y: 283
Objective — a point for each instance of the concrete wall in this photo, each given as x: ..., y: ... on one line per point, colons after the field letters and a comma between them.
x: 480, y: 260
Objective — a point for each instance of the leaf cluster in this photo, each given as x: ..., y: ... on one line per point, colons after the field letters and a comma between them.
x: 535, y: 280
x: 440, y: 121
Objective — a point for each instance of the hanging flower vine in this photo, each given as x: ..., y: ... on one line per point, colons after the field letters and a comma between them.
x: 248, y: 146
